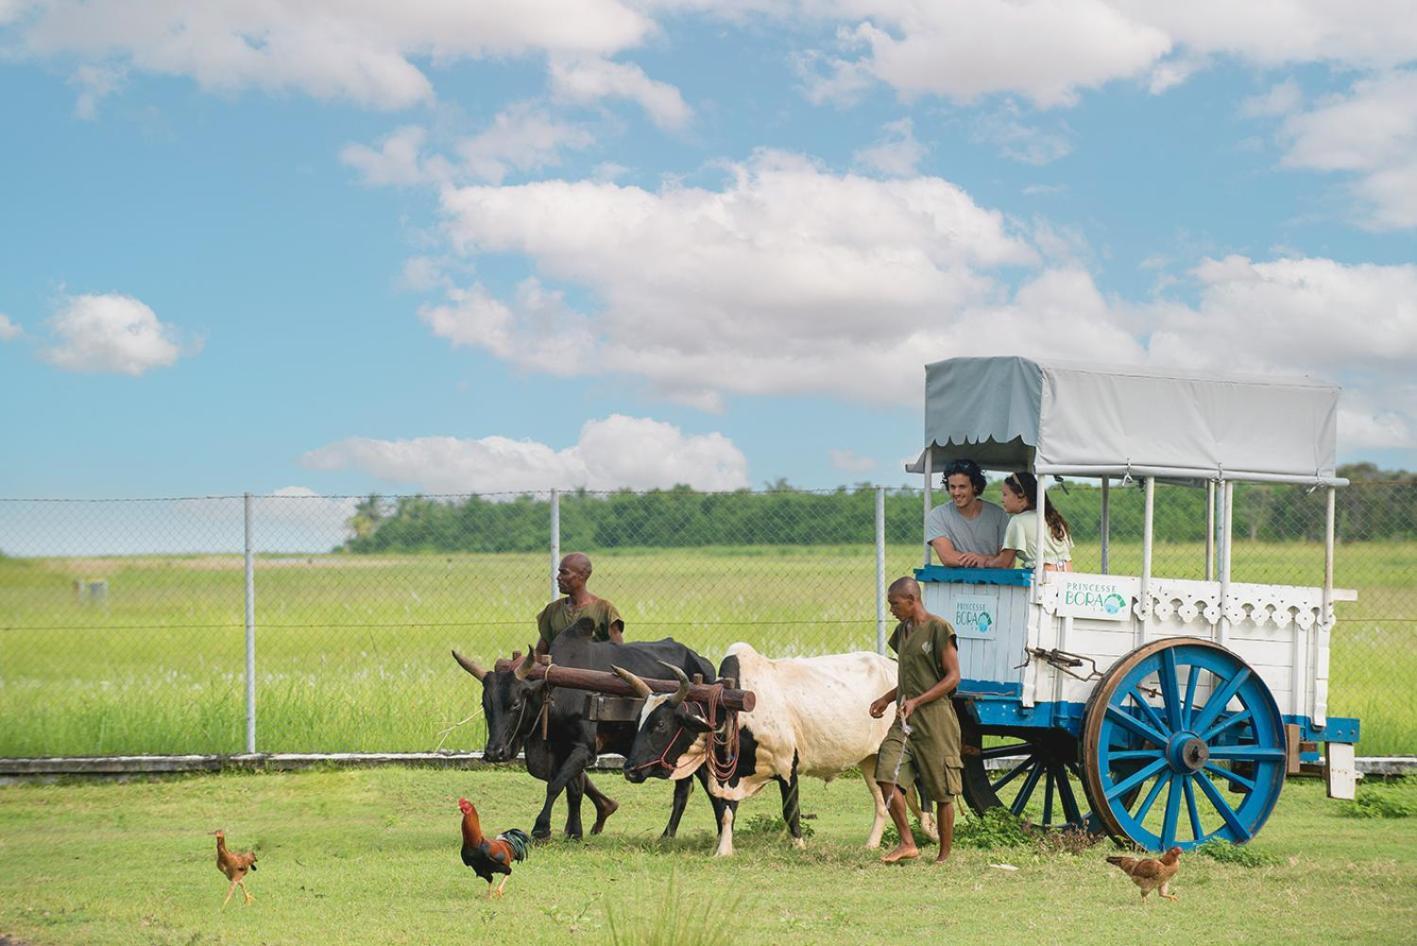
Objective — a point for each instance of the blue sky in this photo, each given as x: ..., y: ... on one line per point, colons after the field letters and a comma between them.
x: 448, y: 248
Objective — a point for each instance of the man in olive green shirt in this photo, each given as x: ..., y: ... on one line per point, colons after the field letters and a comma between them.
x: 571, y: 578
x: 923, y: 746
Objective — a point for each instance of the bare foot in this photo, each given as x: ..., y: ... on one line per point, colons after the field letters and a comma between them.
x: 905, y: 852
x: 942, y: 858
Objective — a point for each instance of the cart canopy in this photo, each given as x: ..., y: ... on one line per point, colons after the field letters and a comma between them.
x: 1096, y: 420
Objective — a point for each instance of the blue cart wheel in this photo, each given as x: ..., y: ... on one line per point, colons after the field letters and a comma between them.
x: 1182, y: 743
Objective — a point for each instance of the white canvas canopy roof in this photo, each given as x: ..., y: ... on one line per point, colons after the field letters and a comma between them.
x: 1097, y: 420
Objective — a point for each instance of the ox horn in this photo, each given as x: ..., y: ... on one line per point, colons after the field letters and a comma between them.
x: 642, y: 689
x: 469, y: 665
x: 525, y: 666
x: 683, y: 690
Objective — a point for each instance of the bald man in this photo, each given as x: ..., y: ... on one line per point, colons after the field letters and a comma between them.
x: 571, y: 578
x: 923, y: 745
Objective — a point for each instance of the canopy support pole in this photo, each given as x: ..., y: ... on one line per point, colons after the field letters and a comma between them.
x: 1210, y: 530
x: 1039, y: 535
x: 1227, y: 517
x: 1318, y: 706
x: 1105, y: 526
x: 926, y: 525
x: 1148, y: 522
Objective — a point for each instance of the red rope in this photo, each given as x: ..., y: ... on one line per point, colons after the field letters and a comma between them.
x: 721, y: 769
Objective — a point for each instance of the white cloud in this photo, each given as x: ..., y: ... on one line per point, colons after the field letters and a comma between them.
x: 896, y: 154
x: 1281, y: 99
x: 110, y: 333
x: 1049, y: 52
x: 613, y: 453
x: 849, y: 461
x: 1296, y: 314
x: 585, y: 81
x: 361, y: 52
x: 398, y: 161
x: 782, y: 281
x: 521, y: 138
x: 965, y: 49
x: 95, y: 83
x: 1019, y: 141
x: 1372, y: 133
x: 8, y: 330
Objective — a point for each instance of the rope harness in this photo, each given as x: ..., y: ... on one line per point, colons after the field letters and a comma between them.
x: 721, y: 769
x: 724, y: 739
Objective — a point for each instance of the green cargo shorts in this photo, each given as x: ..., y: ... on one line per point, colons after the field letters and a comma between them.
x: 902, y: 760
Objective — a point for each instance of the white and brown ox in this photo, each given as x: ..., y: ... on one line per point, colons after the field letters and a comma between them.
x: 812, y: 718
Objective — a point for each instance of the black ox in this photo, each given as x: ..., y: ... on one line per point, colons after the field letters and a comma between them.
x: 513, y: 707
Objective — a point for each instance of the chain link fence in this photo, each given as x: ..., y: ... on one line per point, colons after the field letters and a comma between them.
x: 123, y: 623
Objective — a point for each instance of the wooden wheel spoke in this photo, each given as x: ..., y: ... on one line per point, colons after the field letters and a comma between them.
x: 1229, y: 776
x: 1065, y: 795
x: 1173, y: 812
x: 1136, y: 726
x: 1049, y: 778
x: 1026, y: 790
x: 1250, y: 753
x: 1131, y: 755
x: 1197, y: 832
x: 1013, y: 773
x: 1188, y: 705
x: 1009, y: 751
x: 1135, y: 779
x: 1234, y: 719
x: 1150, y: 799
x: 1170, y: 690
x: 1217, y: 702
x: 1149, y: 711
x: 1223, y: 807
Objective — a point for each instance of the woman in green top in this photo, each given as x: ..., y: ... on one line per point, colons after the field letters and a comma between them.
x: 923, y: 746
x: 1020, y: 499
x: 571, y: 578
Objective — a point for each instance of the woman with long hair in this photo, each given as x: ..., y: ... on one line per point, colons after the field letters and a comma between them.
x: 1020, y: 500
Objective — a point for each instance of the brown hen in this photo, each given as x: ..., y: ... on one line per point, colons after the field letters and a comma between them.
x: 1150, y: 873
x: 234, y: 866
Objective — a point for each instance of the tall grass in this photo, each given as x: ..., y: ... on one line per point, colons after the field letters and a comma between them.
x: 352, y: 651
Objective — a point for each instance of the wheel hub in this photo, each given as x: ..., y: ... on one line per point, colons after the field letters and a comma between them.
x: 1187, y: 752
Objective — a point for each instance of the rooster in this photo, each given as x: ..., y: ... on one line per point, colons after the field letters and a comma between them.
x: 234, y: 866
x: 490, y: 857
x: 1149, y: 873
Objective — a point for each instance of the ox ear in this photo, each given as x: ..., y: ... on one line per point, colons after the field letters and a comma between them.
x: 694, y: 720
x: 471, y: 666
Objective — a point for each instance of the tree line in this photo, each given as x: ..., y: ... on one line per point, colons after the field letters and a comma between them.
x: 1380, y: 505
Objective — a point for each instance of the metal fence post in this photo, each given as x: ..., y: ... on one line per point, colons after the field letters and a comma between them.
x: 250, y: 635
x: 555, y: 540
x: 880, y: 569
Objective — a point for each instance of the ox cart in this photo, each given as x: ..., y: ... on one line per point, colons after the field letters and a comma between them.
x: 1164, y: 711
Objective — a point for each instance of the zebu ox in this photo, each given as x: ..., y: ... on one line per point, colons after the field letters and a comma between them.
x: 812, y: 718
x: 513, y: 706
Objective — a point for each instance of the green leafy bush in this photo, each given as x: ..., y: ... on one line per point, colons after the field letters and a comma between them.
x: 1245, y: 855
x: 1396, y: 799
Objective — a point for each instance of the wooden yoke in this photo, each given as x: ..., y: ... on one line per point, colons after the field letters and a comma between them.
x: 601, y: 681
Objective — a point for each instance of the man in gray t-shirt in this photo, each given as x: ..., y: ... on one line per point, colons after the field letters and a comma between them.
x: 966, y: 531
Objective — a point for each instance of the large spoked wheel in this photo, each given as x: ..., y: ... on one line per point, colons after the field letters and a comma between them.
x: 1034, y: 773
x: 1195, y: 722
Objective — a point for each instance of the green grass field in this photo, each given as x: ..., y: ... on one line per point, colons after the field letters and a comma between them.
x: 353, y: 650
x: 370, y: 857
